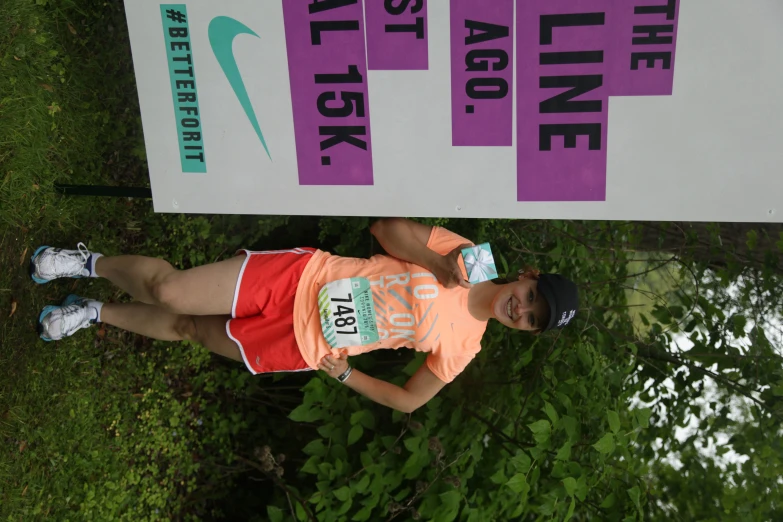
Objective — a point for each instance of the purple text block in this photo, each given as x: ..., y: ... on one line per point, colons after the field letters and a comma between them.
x: 562, y: 109
x: 326, y: 64
x: 482, y: 72
x: 397, y: 35
x: 641, y: 60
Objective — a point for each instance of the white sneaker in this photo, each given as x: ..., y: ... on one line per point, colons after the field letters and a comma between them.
x: 57, y: 322
x: 50, y: 263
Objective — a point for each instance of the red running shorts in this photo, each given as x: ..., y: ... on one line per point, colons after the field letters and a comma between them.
x: 262, y: 322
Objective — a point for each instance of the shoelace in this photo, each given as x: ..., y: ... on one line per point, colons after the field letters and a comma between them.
x: 72, y: 319
x: 84, y: 251
x: 64, y: 269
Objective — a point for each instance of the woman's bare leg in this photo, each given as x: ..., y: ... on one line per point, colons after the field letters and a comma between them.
x: 204, y: 290
x: 152, y: 321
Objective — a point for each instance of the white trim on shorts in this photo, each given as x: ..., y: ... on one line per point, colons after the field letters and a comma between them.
x: 241, y: 348
x: 236, y: 288
x: 308, y: 369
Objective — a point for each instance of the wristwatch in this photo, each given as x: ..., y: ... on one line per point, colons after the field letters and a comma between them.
x: 344, y: 376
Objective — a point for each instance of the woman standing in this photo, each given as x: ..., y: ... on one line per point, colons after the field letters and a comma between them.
x: 303, y: 309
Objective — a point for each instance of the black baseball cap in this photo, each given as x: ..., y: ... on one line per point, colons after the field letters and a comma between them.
x: 563, y: 299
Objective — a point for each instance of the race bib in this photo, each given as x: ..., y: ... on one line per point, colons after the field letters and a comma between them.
x: 348, y: 313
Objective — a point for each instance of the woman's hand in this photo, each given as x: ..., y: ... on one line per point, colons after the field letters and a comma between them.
x: 447, y: 270
x: 334, y: 366
x: 407, y: 240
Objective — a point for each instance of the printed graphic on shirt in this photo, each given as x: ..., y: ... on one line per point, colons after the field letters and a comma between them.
x: 404, y: 306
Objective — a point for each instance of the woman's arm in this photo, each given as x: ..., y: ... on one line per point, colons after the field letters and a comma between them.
x: 407, y: 240
x: 419, y: 389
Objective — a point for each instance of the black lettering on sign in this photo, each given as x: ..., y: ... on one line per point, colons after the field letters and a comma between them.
x: 178, y: 32
x: 353, y: 103
x: 416, y: 27
x: 486, y: 88
x: 193, y: 155
x: 668, y: 9
x: 185, y: 84
x: 577, y: 86
x: 186, y: 97
x: 478, y: 60
x: 652, y: 37
x: 343, y: 134
x: 189, y: 109
x: 187, y: 72
x: 319, y: 6
x: 188, y: 58
x: 569, y: 58
x: 549, y: 22
x: 569, y: 131
x: 352, y: 76
x: 403, y: 5
x: 664, y: 56
x: 484, y: 32
x: 316, y: 28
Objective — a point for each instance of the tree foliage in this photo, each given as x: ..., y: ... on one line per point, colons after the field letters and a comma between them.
x: 664, y: 411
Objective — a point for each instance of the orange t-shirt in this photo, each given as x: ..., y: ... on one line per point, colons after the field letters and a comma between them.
x: 412, y: 309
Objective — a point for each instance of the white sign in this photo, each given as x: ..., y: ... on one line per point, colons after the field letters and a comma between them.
x: 589, y: 109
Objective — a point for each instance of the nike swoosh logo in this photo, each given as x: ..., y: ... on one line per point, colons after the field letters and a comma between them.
x: 222, y: 31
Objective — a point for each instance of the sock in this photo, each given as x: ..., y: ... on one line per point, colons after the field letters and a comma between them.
x: 95, y: 307
x: 91, y: 263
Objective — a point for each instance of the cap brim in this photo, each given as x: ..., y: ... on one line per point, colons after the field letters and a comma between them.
x: 546, y: 290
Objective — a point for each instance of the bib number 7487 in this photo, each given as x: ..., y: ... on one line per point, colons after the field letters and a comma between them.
x: 347, y: 313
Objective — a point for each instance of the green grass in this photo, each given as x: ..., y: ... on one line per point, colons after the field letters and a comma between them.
x: 104, y: 425
x: 67, y: 106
